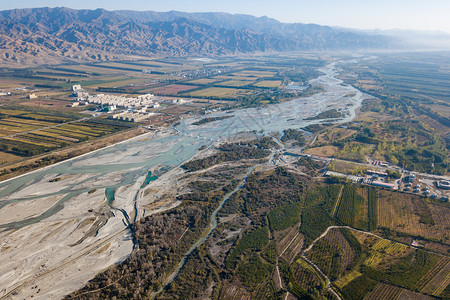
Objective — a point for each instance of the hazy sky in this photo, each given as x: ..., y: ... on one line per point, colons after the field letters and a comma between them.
x: 366, y: 14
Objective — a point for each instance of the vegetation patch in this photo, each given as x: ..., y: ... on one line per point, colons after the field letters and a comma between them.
x: 254, y: 240
x: 284, y: 217
x: 329, y: 114
x: 211, y: 119
x: 227, y: 152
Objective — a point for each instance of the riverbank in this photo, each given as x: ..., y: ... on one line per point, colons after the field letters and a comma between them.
x: 49, y: 159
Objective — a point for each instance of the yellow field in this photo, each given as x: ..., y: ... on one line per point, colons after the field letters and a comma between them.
x: 8, y: 157
x: 52, y: 135
x: 236, y: 82
x: 334, y: 134
x: 62, y: 132
x: 440, y: 278
x: 203, y: 81
x: 397, y: 211
x: 120, y: 82
x: 258, y: 74
x: 29, y: 142
x: 236, y: 77
x: 323, y: 151
x: 341, y: 282
x: 269, y: 83
x: 121, y: 65
x: 8, y: 128
x: 218, y: 92
x: 389, y: 247
x: 39, y: 122
x: 382, y: 250
x: 12, y: 112
x: 7, y: 83
x: 155, y: 63
x: 92, y: 69
x: 17, y: 121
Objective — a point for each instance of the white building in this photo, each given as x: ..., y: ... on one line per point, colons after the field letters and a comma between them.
x: 121, y: 101
x: 76, y: 88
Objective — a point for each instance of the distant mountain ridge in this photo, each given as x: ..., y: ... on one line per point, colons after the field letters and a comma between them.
x: 58, y: 34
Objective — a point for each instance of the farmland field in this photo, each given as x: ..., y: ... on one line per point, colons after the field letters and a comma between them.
x: 203, y: 81
x: 304, y: 278
x: 352, y: 208
x: 25, y: 133
x: 413, y: 215
x: 333, y: 254
x: 236, y: 83
x: 268, y: 83
x: 173, y: 89
x: 258, y: 74
x: 218, y: 92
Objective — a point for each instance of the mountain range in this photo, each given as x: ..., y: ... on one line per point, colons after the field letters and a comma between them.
x: 46, y: 35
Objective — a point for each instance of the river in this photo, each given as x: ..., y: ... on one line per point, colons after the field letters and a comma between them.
x: 65, y: 195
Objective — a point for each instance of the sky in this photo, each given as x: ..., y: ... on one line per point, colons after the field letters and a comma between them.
x: 362, y: 14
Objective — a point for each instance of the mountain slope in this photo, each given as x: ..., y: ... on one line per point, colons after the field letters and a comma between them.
x: 47, y: 34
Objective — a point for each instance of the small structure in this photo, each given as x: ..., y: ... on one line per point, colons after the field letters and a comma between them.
x: 443, y: 184
x: 410, y: 178
x: 380, y: 163
x: 130, y: 116
x: 31, y: 96
x: 76, y: 88
x: 81, y: 95
x: 179, y: 101
x: 148, y: 97
x: 353, y: 178
x: 74, y: 104
x: 417, y: 244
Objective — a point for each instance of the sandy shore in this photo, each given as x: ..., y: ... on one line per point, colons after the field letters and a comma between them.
x: 60, y: 253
